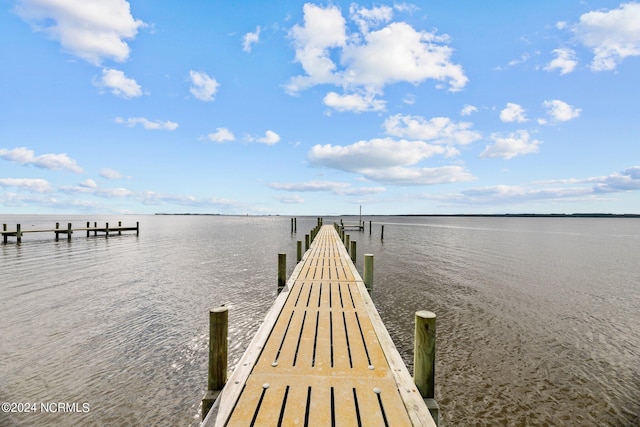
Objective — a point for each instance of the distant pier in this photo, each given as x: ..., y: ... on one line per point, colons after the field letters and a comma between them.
x: 68, y: 231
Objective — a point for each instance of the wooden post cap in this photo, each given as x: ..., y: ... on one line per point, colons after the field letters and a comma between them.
x: 426, y: 314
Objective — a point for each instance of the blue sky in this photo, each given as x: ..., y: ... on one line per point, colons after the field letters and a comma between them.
x: 297, y: 108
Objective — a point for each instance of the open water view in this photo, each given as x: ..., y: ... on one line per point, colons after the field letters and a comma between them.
x: 538, y: 318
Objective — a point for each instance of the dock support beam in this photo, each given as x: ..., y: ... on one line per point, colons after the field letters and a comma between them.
x: 368, y: 272
x: 218, y: 347
x: 282, y: 271
x: 424, y: 360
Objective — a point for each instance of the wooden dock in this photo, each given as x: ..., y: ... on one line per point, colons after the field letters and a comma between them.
x: 322, y: 357
x: 95, y: 229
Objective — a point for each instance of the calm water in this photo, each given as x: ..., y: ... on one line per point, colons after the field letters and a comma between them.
x: 538, y: 318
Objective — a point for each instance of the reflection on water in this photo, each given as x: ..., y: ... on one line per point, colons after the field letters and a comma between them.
x: 538, y: 319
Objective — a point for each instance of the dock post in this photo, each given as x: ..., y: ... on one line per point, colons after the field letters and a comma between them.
x: 299, y: 250
x: 353, y: 251
x: 119, y: 228
x: 88, y: 225
x: 4, y: 236
x: 424, y: 360
x: 18, y: 233
x: 57, y: 233
x: 282, y: 271
x: 306, y: 242
x: 369, y: 227
x: 217, y: 375
x: 137, y: 228
x: 292, y: 225
x: 295, y: 225
x: 69, y: 231
x: 95, y: 229
x: 368, y: 271
x: 106, y: 229
x: 347, y: 239
x: 382, y: 233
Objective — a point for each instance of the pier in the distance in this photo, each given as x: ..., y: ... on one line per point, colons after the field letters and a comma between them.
x: 68, y: 231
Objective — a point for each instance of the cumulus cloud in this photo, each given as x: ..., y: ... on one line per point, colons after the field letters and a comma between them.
x: 269, y: 138
x: 419, y: 176
x: 93, y: 30
x: 110, y: 174
x: 221, y: 135
x: 293, y: 199
x: 147, y: 124
x: 438, y: 130
x: 507, y: 147
x: 513, y: 113
x: 119, y: 84
x: 354, y: 102
x: 24, y: 156
x: 250, y: 39
x: 565, y: 61
x: 612, y: 35
x: 203, y: 87
x: 30, y: 184
x: 561, y: 111
x: 369, y: 59
x: 467, y: 110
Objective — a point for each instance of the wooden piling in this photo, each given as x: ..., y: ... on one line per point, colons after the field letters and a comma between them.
x: 119, y: 226
x: 137, y: 228
x: 368, y: 271
x: 282, y: 271
x: 382, y: 233
x: 424, y: 360
x: 18, y: 233
x: 353, y: 250
x: 4, y: 228
x: 218, y: 347
x: 69, y: 231
x: 57, y: 233
x: 106, y: 230
x: 306, y: 242
x: 299, y: 250
x: 369, y: 227
x: 88, y: 225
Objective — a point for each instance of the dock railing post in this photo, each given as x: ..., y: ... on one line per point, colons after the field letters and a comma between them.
x: 306, y: 242
x: 424, y: 360
x: 370, y: 227
x: 18, y: 233
x: 368, y: 272
x: 69, y: 231
x: 4, y: 236
x: 57, y: 234
x: 95, y: 229
x: 217, y: 373
x: 282, y: 271
x: 106, y: 229
x: 353, y: 251
x: 88, y: 224
x: 119, y: 228
x: 137, y: 228
x: 382, y: 233
x: 299, y: 250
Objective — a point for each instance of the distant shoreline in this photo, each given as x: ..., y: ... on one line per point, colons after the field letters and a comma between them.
x: 520, y: 215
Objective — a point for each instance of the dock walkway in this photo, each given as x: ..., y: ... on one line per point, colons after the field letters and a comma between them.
x: 322, y: 357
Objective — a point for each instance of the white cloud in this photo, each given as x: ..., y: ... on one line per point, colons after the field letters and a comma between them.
x: 293, y: 199
x: 561, y: 111
x: 119, y: 84
x: 612, y: 35
x: 367, y: 18
x: 439, y: 130
x: 354, y: 102
x: 419, y: 176
x: 513, y: 113
x: 269, y: 138
x: 372, y: 154
x: 340, y: 188
x: 565, y: 61
x: 467, y: 110
x: 221, y: 135
x: 24, y: 156
x: 88, y: 183
x: 369, y: 60
x: 93, y: 30
x: 250, y: 39
x: 626, y: 180
x: 203, y: 87
x: 30, y: 184
x: 110, y: 174
x: 515, y: 144
x: 147, y: 124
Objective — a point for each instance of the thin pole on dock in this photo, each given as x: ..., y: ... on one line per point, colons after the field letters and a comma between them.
x: 368, y: 271
x: 424, y: 360
x: 282, y: 271
x: 218, y: 346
